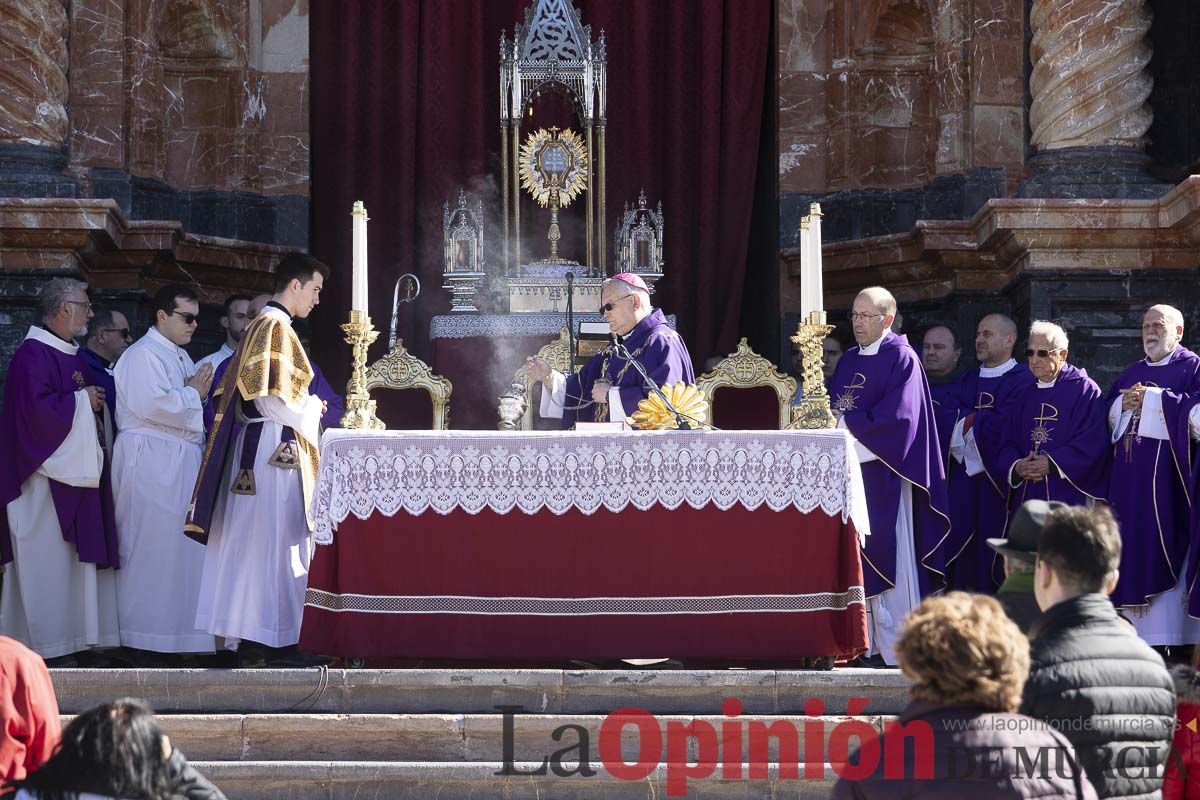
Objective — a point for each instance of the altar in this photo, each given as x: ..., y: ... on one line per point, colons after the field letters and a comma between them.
x: 534, y: 546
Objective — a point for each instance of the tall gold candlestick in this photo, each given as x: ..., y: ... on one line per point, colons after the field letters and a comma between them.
x: 813, y: 411
x: 360, y: 408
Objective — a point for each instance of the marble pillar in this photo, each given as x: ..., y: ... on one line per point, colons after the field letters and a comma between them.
x: 1090, y: 112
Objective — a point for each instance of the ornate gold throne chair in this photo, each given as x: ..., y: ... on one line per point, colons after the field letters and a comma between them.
x: 397, y: 382
x: 747, y: 392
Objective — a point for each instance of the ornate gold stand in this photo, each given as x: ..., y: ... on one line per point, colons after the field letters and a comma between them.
x: 813, y: 411
x: 360, y: 408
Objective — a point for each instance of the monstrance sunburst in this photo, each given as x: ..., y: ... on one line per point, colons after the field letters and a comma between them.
x: 554, y: 170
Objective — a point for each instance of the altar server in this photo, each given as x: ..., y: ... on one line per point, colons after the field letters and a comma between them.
x: 978, y: 503
x: 235, y: 317
x: 1056, y: 443
x: 880, y: 394
x: 57, y: 531
x: 157, y: 458
x: 609, y: 387
x: 1149, y: 482
x: 251, y: 501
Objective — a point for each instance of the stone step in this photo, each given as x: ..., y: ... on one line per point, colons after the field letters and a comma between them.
x: 480, y: 691
x: 421, y: 780
x: 465, y: 738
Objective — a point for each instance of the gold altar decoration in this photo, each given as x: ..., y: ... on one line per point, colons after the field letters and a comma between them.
x: 360, y: 408
x: 746, y: 369
x: 558, y: 355
x: 400, y: 370
x: 554, y: 170
x: 813, y: 411
x: 654, y: 415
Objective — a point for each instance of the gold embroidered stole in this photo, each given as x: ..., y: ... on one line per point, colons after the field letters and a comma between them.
x: 274, y: 364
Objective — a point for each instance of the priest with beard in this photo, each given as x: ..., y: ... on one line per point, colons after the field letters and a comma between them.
x: 880, y: 394
x: 978, y: 504
x: 1149, y: 484
x: 57, y: 533
x: 1055, y: 444
x: 609, y: 387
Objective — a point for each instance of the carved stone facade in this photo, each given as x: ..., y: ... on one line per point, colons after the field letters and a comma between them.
x: 906, y: 120
x: 150, y: 141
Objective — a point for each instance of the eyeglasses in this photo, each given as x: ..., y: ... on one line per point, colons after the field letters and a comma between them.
x: 86, y: 306
x: 125, y: 334
x: 604, y: 309
x: 188, y: 319
x: 857, y: 317
x: 1042, y: 353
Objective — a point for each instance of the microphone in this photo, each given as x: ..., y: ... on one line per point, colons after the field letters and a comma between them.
x: 570, y: 278
x: 618, y: 346
x: 571, y: 317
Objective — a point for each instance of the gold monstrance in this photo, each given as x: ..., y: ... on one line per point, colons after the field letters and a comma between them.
x: 554, y: 170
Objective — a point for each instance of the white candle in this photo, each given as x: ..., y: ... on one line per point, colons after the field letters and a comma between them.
x: 358, y: 295
x: 818, y: 269
x: 807, y: 301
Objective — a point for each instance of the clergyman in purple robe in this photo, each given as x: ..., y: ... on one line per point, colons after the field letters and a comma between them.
x: 880, y: 394
x: 609, y: 386
x: 1056, y: 443
x: 1150, y: 481
x: 978, y: 504
x: 57, y: 532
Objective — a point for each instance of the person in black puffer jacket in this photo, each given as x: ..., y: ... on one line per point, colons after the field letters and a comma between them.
x: 1090, y: 676
x: 967, y: 662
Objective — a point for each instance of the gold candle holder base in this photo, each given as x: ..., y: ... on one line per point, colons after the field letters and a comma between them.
x: 813, y: 412
x: 360, y: 408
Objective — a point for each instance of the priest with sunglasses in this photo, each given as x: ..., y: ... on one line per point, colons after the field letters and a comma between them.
x: 609, y: 387
x: 1055, y: 444
x: 160, y: 416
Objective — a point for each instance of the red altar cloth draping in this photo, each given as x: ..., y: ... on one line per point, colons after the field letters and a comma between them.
x: 698, y: 545
x: 682, y: 583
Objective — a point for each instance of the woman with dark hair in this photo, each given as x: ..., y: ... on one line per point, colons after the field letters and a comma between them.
x: 116, y: 750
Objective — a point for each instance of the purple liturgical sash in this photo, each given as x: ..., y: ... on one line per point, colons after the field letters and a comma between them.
x: 1067, y: 423
x: 1149, y: 485
x: 652, y: 342
x: 335, y: 405
x: 39, y: 407
x: 886, y: 404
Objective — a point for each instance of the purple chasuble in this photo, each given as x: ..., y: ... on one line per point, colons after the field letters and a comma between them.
x: 978, y: 504
x: 1066, y: 422
x: 886, y: 404
x: 1149, y: 484
x: 660, y: 351
x: 39, y: 407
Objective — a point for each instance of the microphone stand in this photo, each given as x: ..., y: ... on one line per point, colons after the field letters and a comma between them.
x: 571, y: 318
x: 623, y: 351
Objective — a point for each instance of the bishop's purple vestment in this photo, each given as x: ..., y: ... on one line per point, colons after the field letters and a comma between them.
x: 1149, y: 483
x: 39, y: 407
x: 1065, y: 422
x: 658, y: 348
x: 886, y: 403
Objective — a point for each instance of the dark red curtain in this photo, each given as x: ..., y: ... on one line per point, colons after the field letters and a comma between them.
x: 405, y: 109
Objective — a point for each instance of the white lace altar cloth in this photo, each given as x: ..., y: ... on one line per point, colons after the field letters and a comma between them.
x: 368, y: 472
x: 461, y: 326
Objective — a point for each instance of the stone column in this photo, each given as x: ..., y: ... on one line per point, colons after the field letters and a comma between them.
x: 1090, y: 111
x: 33, y: 99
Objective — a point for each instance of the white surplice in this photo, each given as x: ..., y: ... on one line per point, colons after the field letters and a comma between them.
x: 155, y: 464
x: 216, y: 358
x: 259, y: 546
x: 52, y: 602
